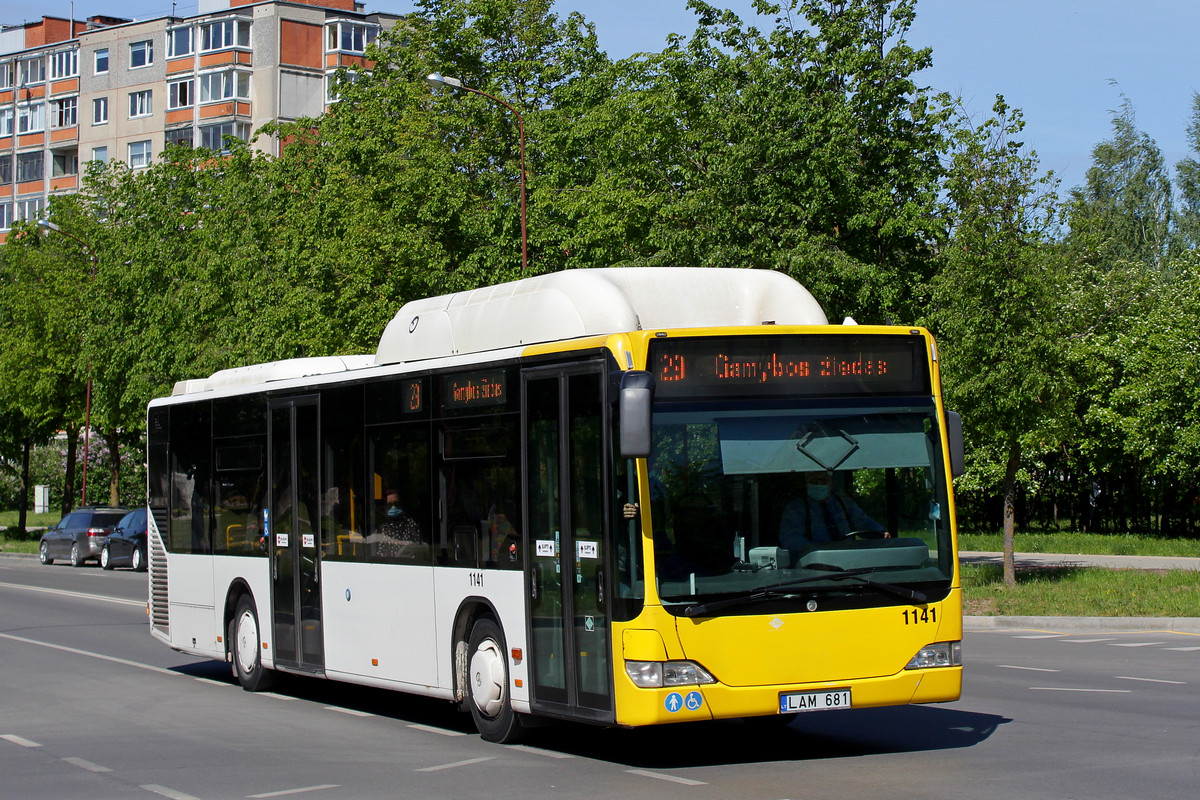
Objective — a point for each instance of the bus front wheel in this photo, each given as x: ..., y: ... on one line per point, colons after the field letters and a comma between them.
x: 245, y: 646
x: 487, y: 676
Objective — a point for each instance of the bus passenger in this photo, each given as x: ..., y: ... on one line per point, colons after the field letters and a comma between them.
x: 397, y: 529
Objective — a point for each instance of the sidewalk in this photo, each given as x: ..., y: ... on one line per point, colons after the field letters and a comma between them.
x: 1079, y: 560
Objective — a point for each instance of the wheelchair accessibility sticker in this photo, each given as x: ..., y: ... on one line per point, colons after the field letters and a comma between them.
x: 676, y: 702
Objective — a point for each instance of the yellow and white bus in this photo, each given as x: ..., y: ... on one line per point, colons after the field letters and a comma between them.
x: 620, y: 496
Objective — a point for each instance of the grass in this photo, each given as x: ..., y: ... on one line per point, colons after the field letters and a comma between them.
x: 1081, y: 592
x: 8, y: 519
x: 1096, y: 544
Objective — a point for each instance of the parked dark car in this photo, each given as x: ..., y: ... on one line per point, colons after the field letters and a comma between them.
x: 80, y: 535
x: 126, y: 545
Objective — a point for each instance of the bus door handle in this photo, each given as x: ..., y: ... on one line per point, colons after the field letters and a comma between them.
x: 600, y: 588
x: 535, y: 578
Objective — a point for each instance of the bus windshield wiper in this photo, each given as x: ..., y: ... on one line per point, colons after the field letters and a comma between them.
x: 782, y: 589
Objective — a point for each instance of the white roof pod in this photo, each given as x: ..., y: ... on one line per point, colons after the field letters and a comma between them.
x: 273, y: 371
x: 593, y: 302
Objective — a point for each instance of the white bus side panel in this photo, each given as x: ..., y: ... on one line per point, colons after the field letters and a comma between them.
x: 504, y: 590
x: 190, y: 600
x: 255, y: 573
x: 379, y: 623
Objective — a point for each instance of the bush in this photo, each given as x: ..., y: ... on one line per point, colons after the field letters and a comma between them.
x: 48, y: 464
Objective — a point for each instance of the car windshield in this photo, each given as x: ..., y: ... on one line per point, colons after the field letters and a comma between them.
x: 105, y: 519
x: 746, y: 499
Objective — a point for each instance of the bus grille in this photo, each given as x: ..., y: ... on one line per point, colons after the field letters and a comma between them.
x: 160, y: 616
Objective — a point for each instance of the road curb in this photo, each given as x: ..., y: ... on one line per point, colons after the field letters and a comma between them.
x: 1077, y: 624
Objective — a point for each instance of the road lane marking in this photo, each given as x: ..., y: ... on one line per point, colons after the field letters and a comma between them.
x: 1089, y: 641
x: 19, y: 740
x: 166, y: 792
x: 537, y: 751
x: 81, y: 595
x: 1135, y: 644
x: 90, y: 654
x: 354, y: 712
x: 1068, y: 689
x: 466, y: 763
x: 432, y: 729
x: 1182, y: 649
x: 211, y: 682
x: 85, y: 764
x: 1150, y: 680
x: 658, y: 776
x: 1031, y: 669
x: 286, y: 792
x: 1039, y: 636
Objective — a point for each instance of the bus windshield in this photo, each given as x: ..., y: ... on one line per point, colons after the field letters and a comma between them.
x: 748, y: 497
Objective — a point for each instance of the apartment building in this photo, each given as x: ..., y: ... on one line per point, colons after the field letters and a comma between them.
x: 73, y: 91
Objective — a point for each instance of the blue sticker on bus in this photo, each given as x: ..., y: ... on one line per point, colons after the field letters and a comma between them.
x: 693, y: 701
x: 674, y: 702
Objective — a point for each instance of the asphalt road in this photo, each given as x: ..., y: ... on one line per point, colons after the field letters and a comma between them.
x: 92, y: 707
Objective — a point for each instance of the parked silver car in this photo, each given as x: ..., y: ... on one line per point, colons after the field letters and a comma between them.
x: 80, y: 535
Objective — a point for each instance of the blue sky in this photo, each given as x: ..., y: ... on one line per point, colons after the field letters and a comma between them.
x: 1054, y: 59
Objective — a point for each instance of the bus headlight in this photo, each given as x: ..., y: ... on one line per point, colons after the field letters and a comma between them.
x: 657, y: 674
x: 941, y: 654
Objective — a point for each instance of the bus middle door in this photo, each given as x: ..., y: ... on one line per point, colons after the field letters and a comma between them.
x: 565, y: 500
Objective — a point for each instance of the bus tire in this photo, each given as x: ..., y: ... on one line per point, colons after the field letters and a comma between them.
x: 245, y: 647
x: 487, y: 689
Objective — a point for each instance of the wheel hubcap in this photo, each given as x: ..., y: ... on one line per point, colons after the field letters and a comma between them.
x: 247, y: 643
x: 487, y: 676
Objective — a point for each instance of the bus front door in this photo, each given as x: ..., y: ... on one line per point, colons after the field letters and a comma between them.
x: 295, y: 527
x: 566, y: 493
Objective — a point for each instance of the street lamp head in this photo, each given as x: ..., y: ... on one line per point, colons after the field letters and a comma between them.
x: 438, y: 81
x: 46, y: 224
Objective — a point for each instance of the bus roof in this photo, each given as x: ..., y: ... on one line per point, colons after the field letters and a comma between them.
x: 554, y: 307
x: 593, y: 302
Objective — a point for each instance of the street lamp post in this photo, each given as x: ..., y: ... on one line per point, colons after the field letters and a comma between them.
x: 46, y: 224
x: 438, y: 81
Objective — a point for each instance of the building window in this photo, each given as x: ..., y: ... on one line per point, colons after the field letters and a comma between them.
x: 181, y: 136
x: 6, y: 169
x: 5, y: 216
x: 179, y: 42
x: 6, y: 75
x: 64, y: 64
x: 225, y: 34
x: 181, y: 94
x: 101, y: 61
x: 31, y: 71
x: 65, y: 163
x: 139, y: 154
x: 100, y: 154
x: 140, y: 103
x: 226, y: 85
x: 141, y: 54
x: 350, y: 37
x: 30, y: 166
x: 64, y: 113
x: 31, y: 118
x: 212, y: 137
x: 100, y: 111
x: 30, y: 208
x: 6, y: 120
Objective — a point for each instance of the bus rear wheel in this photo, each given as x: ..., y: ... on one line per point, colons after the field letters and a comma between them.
x: 245, y: 646
x: 487, y: 678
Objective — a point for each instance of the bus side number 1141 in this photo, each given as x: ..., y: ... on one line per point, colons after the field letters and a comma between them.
x: 916, y: 616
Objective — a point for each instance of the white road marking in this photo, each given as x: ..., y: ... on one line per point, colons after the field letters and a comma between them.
x: 1039, y: 636
x: 1150, y: 680
x: 166, y: 792
x: 645, y: 773
x: 1135, y: 644
x: 89, y: 654
x: 354, y: 712
x: 85, y: 764
x: 466, y: 763
x: 286, y: 792
x: 21, y: 740
x: 432, y: 729
x: 1031, y: 669
x: 1067, y: 689
x: 210, y: 681
x: 82, y: 595
x: 537, y: 751
x: 1089, y: 641
x: 1182, y: 649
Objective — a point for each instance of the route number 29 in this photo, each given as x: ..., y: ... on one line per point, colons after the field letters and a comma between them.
x: 915, y: 616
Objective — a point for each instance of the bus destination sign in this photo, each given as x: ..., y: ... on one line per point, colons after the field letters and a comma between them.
x: 789, y: 365
x: 475, y: 389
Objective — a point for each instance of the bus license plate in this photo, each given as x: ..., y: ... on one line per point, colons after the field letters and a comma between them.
x: 795, y: 702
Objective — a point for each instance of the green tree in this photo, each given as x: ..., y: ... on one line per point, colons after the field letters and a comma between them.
x: 1188, y: 175
x: 994, y: 306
